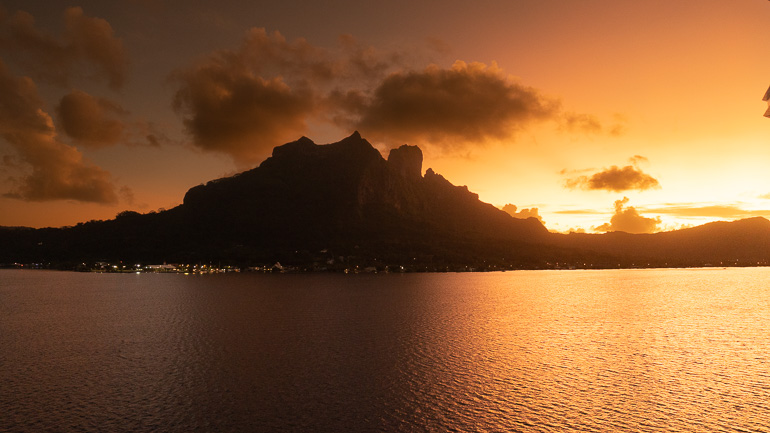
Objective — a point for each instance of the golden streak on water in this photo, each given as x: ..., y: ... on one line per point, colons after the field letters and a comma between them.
x: 541, y: 351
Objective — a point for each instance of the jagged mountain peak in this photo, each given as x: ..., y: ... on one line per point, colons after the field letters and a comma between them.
x: 348, y: 185
x: 346, y: 197
x: 406, y: 161
x: 352, y: 150
x: 302, y: 145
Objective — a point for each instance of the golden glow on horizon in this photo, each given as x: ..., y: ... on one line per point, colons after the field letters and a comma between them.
x: 677, y: 83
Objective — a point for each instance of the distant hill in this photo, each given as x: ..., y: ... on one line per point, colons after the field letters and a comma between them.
x: 342, y: 204
x: 743, y: 242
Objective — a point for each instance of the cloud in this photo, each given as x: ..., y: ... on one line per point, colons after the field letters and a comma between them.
x: 87, y: 46
x: 467, y: 102
x: 616, y: 179
x: 272, y: 55
x: 244, y: 101
x: 364, y: 63
x: 628, y: 220
x: 150, y: 134
x: 57, y: 171
x: 127, y: 195
x: 590, y: 124
x: 577, y: 212
x: 89, y: 120
x: 439, y: 45
x: 512, y: 210
x: 228, y: 109
x: 95, y: 122
x: 712, y: 211
x: 239, y: 103
x: 581, y: 122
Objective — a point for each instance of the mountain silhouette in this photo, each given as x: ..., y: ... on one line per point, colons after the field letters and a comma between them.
x: 343, y: 204
x: 343, y: 197
x: 743, y: 242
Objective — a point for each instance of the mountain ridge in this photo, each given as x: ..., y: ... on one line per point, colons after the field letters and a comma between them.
x: 346, y: 199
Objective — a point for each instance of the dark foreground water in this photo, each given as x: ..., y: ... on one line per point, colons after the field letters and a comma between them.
x: 628, y: 350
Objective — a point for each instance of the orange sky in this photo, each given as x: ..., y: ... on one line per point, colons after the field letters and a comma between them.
x: 603, y: 115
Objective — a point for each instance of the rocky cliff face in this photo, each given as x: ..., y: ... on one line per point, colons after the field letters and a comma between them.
x: 339, y: 188
x: 406, y: 161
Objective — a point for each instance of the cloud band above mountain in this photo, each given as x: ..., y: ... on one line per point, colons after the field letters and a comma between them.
x: 616, y: 179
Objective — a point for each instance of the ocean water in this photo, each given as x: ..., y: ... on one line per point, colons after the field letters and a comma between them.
x: 531, y: 351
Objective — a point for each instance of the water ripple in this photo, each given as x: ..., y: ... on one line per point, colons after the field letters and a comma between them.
x: 593, y: 351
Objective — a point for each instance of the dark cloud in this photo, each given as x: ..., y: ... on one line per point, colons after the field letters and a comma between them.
x: 616, y: 179
x: 228, y: 109
x: 439, y: 45
x: 467, y: 102
x: 90, y: 121
x: 513, y: 211
x: 127, y: 195
x: 242, y: 102
x: 272, y: 55
x: 364, y: 63
x: 95, y: 122
x: 87, y: 46
x: 150, y: 134
x: 54, y: 169
x: 230, y: 106
x: 627, y: 219
x: 59, y: 172
x: 93, y: 39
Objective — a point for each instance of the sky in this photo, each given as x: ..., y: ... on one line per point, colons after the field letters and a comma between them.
x: 593, y: 115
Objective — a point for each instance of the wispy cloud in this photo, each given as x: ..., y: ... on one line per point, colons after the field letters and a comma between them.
x: 578, y: 212
x: 706, y: 210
